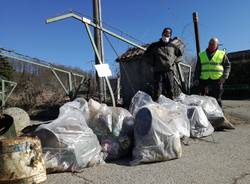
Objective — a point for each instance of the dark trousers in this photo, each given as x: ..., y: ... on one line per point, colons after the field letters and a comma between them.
x: 163, y: 84
x: 212, y: 88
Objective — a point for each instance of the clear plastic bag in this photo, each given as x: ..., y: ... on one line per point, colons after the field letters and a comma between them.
x: 156, y: 136
x: 180, y: 111
x: 114, y: 128
x: 211, y: 108
x: 139, y: 100
x: 199, y: 124
x: 68, y: 143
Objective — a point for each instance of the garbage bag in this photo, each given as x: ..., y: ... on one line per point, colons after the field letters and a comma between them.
x: 114, y: 127
x: 105, y: 120
x: 68, y: 143
x: 142, y: 99
x: 156, y: 137
x: 100, y: 119
x: 139, y: 100
x: 199, y: 124
x: 211, y: 108
x: 182, y: 121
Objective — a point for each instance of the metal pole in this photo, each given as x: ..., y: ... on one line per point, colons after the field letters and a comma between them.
x: 3, y: 94
x: 98, y: 40
x: 196, y: 31
x: 102, y: 48
x: 99, y: 61
x: 70, y: 83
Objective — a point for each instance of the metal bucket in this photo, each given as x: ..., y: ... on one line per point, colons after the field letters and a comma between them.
x: 21, y: 161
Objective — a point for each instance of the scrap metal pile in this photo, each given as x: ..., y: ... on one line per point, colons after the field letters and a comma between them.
x: 89, y: 133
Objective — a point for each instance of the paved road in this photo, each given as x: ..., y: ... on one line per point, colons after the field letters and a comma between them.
x: 238, y: 108
x: 227, y: 160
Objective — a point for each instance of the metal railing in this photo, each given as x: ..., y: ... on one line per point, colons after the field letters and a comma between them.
x: 71, y: 91
x: 7, y: 88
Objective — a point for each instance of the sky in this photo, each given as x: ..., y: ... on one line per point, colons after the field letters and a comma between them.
x: 23, y: 28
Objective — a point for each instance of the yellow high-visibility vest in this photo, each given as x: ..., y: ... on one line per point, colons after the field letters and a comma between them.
x: 212, y: 69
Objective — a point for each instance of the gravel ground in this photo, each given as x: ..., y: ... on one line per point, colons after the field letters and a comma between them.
x: 221, y: 158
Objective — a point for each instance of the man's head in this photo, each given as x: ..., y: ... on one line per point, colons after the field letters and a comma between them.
x: 213, y: 44
x: 166, y: 34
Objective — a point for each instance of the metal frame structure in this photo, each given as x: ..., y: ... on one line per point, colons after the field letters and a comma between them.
x: 88, y: 23
x: 4, y: 93
x: 72, y: 89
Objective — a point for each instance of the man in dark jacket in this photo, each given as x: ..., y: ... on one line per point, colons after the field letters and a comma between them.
x: 163, y: 55
x: 212, y: 70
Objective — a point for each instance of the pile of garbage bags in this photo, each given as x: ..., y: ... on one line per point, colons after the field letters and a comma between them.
x: 85, y: 134
x: 160, y: 125
x: 90, y: 133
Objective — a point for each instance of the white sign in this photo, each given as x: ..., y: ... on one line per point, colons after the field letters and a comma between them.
x: 86, y: 20
x: 103, y: 70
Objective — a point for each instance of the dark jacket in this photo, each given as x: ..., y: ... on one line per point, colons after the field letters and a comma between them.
x: 225, y: 63
x: 162, y: 56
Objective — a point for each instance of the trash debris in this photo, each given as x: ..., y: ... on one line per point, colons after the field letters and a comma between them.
x: 114, y: 127
x: 21, y: 161
x: 199, y: 124
x: 211, y: 108
x: 116, y: 147
x: 156, y: 137
x: 68, y: 143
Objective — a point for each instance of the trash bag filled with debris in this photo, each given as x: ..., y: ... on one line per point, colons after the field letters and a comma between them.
x: 142, y: 99
x: 199, y: 124
x: 139, y: 100
x: 68, y: 143
x: 180, y: 111
x: 114, y: 128
x: 156, y: 136
x: 211, y: 108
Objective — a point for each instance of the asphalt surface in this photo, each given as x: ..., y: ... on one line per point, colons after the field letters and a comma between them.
x: 218, y: 159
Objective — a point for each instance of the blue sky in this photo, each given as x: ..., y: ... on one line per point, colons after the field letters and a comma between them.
x: 23, y: 28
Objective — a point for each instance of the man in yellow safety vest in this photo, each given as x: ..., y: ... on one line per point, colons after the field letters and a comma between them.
x: 212, y: 69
